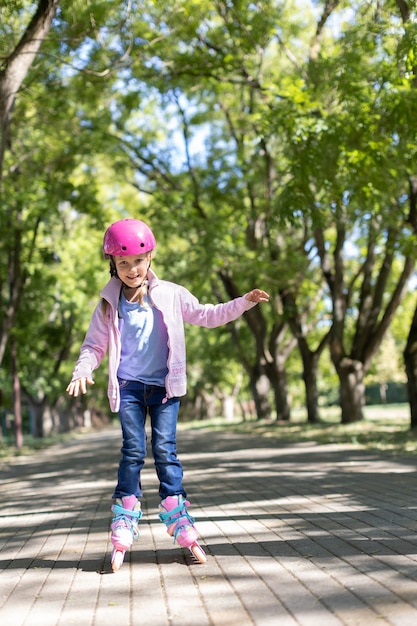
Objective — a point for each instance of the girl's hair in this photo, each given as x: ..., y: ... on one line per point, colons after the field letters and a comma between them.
x: 112, y: 267
x: 143, y: 290
x: 104, y: 308
x: 142, y: 293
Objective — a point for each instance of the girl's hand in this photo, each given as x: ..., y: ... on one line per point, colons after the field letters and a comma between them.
x: 80, y: 384
x: 257, y: 295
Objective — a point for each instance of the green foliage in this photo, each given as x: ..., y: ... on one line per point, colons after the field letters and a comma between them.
x: 239, y: 131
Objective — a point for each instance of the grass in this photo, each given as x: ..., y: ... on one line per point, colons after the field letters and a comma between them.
x: 32, y: 444
x: 383, y: 428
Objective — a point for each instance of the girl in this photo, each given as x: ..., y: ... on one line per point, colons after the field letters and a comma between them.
x: 140, y: 321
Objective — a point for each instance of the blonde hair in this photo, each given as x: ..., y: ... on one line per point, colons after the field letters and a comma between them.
x: 104, y: 305
x: 141, y: 293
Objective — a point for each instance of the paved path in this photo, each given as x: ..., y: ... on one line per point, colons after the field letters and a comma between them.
x: 303, y: 535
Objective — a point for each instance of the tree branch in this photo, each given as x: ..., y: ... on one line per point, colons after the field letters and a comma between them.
x: 404, y: 10
x: 16, y: 66
x: 329, y: 7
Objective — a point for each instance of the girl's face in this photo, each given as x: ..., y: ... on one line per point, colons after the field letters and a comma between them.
x: 132, y: 270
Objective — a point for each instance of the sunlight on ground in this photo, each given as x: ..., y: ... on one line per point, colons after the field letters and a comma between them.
x: 383, y: 428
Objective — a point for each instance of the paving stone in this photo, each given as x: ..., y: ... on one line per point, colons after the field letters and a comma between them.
x: 301, y: 535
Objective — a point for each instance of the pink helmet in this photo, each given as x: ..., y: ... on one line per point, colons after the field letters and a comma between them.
x: 127, y: 237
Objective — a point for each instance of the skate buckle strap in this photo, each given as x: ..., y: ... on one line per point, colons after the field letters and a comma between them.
x: 120, y: 511
x: 184, y: 518
x: 168, y: 516
x: 126, y: 518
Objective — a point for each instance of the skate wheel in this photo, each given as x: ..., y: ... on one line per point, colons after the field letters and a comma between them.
x: 199, y: 553
x: 117, y: 560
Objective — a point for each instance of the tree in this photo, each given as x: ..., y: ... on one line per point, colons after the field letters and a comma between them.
x: 410, y: 359
x: 13, y: 71
x: 356, y: 159
x: 47, y: 170
x: 216, y: 72
x: 295, y: 144
x: 410, y: 350
x: 266, y: 147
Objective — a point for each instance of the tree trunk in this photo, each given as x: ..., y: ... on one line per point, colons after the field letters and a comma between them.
x: 410, y: 359
x: 17, y: 400
x: 310, y: 358
x: 352, y: 390
x: 258, y: 371
x: 310, y: 370
x: 36, y: 410
x: 278, y: 379
x: 260, y: 387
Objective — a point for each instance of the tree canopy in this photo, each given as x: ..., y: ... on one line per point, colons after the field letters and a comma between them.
x: 268, y: 144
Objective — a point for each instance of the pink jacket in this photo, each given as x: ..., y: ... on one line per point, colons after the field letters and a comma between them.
x: 177, y: 305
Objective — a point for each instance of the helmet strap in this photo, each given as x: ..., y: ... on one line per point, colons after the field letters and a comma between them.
x: 113, y: 271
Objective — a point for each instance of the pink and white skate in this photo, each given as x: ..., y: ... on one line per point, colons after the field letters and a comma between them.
x: 124, y: 528
x: 180, y: 525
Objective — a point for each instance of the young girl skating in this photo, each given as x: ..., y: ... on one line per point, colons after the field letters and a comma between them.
x: 139, y: 320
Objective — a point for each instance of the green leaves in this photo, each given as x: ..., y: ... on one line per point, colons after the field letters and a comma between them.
x: 264, y: 140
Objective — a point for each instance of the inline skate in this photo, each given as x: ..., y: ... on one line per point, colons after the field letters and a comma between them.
x: 124, y: 528
x: 180, y: 524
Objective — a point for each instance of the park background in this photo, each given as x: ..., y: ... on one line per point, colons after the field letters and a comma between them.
x: 268, y: 144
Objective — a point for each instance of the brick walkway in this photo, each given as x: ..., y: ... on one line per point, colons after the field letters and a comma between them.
x: 303, y: 535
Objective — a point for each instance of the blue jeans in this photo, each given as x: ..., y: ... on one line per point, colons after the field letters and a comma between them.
x: 136, y: 400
